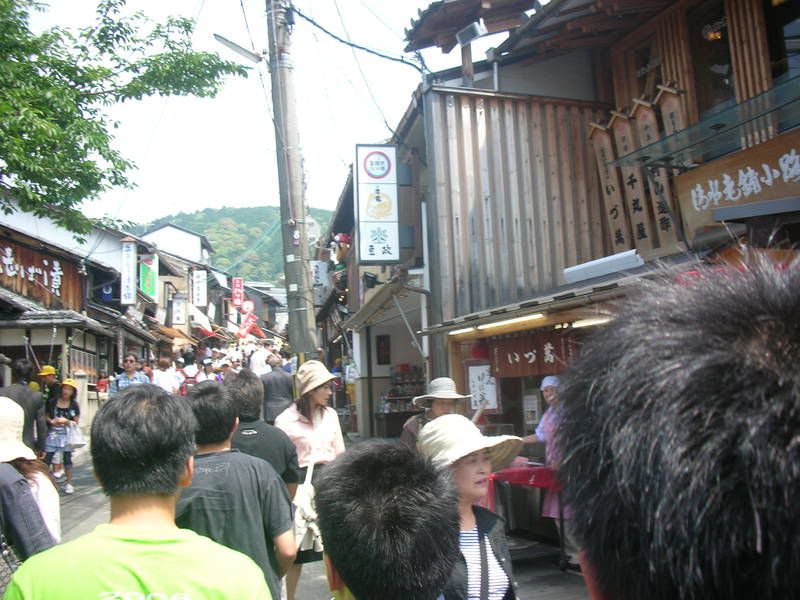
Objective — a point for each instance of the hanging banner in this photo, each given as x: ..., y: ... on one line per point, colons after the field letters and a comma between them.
x: 148, y: 275
x: 376, y: 206
x: 127, y: 271
x: 237, y: 291
x: 179, y: 310
x: 199, y: 287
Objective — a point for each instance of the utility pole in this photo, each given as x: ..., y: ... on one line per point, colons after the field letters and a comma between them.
x: 302, y: 324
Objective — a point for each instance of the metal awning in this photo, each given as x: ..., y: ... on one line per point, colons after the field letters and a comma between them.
x: 777, y: 109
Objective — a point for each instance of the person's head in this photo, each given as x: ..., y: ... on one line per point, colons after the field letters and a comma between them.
x: 22, y: 369
x: 390, y: 523
x: 12, y: 421
x: 129, y: 363
x: 189, y: 358
x: 274, y: 361
x: 441, y: 398
x: 163, y: 363
x: 679, y: 438
x: 208, y: 365
x: 549, y: 388
x: 48, y: 374
x: 454, y: 442
x: 214, y: 410
x: 247, y: 393
x: 314, y: 387
x: 143, y: 442
x: 69, y: 389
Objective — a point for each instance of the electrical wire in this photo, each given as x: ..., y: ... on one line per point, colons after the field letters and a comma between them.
x: 348, y: 42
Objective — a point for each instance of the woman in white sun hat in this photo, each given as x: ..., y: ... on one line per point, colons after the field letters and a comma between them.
x: 484, y: 569
x: 440, y: 400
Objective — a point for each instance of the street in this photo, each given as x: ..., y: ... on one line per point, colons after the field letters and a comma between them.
x: 88, y: 507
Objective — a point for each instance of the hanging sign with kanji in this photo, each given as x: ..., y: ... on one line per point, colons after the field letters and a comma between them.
x: 610, y: 188
x: 768, y: 171
x: 528, y: 354
x: 376, y: 204
x: 237, y: 291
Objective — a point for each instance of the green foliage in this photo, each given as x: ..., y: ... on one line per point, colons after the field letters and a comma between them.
x: 247, y: 241
x: 55, y: 141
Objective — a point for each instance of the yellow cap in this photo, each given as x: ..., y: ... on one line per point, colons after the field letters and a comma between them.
x: 47, y: 370
x: 70, y: 382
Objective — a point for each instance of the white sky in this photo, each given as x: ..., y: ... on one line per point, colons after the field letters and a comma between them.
x: 198, y: 153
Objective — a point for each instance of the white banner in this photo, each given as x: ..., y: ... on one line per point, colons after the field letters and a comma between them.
x: 127, y: 274
x: 199, y: 287
x: 178, y: 311
x: 377, y: 210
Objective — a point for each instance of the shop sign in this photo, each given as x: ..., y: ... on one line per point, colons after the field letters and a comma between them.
x: 482, y: 387
x: 127, y: 273
x: 377, y: 211
x: 237, y: 291
x: 148, y: 275
x: 178, y: 310
x: 39, y: 276
x: 768, y: 171
x: 199, y: 287
x: 528, y: 354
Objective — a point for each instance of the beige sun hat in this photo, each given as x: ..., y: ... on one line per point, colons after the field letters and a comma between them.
x: 12, y: 419
x: 312, y: 374
x: 450, y: 437
x: 443, y: 388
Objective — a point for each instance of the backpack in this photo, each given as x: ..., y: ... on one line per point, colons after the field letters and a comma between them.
x: 187, y: 382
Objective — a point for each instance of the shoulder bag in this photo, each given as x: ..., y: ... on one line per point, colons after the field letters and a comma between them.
x: 306, y: 529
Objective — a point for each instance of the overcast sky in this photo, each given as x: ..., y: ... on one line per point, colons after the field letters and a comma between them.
x: 197, y: 153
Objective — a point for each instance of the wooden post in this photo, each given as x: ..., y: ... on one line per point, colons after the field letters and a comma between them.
x: 467, y: 68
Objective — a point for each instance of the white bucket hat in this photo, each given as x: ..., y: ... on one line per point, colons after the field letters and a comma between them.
x: 443, y: 388
x: 451, y: 437
x: 12, y: 419
x: 312, y: 374
x: 550, y: 381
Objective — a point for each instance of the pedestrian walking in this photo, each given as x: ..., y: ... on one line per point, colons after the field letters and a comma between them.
x: 62, y: 415
x: 34, y: 427
x: 278, y: 392
x: 440, y: 400
x: 129, y: 376
x: 164, y: 376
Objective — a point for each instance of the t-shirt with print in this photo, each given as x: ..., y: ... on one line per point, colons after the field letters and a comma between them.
x: 116, y: 562
x: 239, y: 501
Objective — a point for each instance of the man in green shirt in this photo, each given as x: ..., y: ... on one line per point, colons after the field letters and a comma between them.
x: 142, y: 451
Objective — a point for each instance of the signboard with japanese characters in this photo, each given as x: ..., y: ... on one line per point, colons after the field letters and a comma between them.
x: 611, y: 189
x: 527, y: 354
x: 179, y: 310
x: 482, y: 387
x: 127, y: 273
x: 148, y: 275
x: 199, y: 287
x: 377, y: 211
x: 320, y: 281
x: 237, y: 291
x: 39, y: 276
x: 768, y: 171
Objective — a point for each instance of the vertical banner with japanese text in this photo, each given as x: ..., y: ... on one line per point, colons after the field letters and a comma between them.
x: 237, y: 291
x: 199, y: 287
x: 376, y: 206
x: 148, y: 275
x: 127, y: 278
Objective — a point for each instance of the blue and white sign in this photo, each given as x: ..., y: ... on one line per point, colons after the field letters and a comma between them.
x: 377, y: 210
x: 127, y: 273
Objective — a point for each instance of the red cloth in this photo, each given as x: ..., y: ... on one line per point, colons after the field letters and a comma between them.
x: 540, y: 477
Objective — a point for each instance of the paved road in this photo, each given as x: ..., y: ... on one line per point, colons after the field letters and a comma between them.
x: 88, y: 507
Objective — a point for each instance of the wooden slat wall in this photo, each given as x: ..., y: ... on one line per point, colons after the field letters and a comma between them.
x: 749, y: 50
x: 517, y: 197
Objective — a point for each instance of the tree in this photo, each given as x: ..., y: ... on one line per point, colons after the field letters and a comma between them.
x: 55, y: 137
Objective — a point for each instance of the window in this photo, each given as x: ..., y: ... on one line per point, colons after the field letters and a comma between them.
x: 710, y: 51
x: 783, y: 37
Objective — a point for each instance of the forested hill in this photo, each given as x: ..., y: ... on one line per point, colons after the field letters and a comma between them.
x: 246, y: 241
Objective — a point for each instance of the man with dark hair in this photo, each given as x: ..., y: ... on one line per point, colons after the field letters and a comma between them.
x: 142, y: 446
x: 679, y: 437
x: 277, y: 389
x: 390, y: 523
x: 236, y: 499
x: 254, y: 436
x: 32, y: 403
x: 129, y: 376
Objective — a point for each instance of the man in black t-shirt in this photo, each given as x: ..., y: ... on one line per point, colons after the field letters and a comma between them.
x: 257, y: 438
x: 235, y: 499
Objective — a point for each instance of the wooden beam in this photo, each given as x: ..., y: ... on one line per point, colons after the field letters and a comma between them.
x: 467, y: 67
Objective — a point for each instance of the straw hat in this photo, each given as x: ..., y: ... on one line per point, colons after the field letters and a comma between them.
x: 12, y: 419
x: 312, y: 374
x: 450, y: 437
x: 47, y: 370
x: 443, y: 388
x: 70, y: 382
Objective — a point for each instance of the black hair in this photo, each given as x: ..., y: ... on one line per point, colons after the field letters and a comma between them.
x: 189, y: 358
x: 214, y: 410
x: 247, y: 393
x: 141, y: 440
x: 679, y: 437
x: 22, y: 369
x: 389, y: 520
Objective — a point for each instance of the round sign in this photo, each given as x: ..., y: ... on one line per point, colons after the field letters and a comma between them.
x: 377, y: 164
x: 248, y: 306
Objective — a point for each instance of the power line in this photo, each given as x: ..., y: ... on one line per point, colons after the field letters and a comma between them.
x: 348, y: 42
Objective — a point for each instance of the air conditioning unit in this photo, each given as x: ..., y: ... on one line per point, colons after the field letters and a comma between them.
x: 471, y: 32
x: 603, y: 266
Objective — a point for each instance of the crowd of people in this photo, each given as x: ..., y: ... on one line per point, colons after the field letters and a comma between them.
x: 673, y: 435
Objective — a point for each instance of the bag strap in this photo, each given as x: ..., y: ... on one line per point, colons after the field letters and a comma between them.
x: 484, y: 568
x: 309, y: 472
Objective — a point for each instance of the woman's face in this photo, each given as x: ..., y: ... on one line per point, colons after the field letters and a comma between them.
x: 320, y: 395
x: 550, y: 394
x: 441, y: 406
x: 471, y: 476
x: 67, y: 391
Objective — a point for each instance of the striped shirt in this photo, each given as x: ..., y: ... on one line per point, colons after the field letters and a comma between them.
x: 471, y: 549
